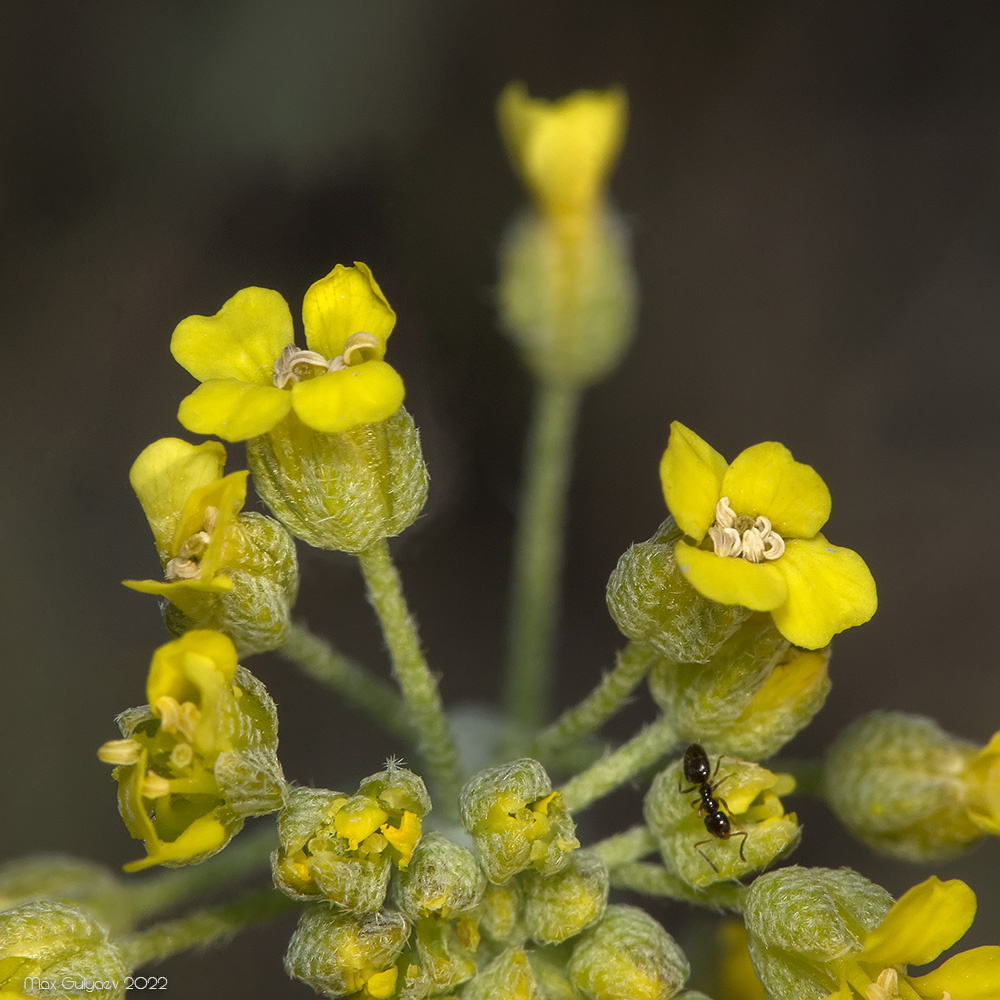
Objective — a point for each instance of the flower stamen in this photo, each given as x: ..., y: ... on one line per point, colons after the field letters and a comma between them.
x: 186, y: 565
x: 737, y: 535
x: 288, y: 366
x: 356, y: 343
x: 122, y: 752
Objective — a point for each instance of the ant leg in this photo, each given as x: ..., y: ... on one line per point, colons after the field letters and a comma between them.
x: 697, y: 847
x: 744, y: 835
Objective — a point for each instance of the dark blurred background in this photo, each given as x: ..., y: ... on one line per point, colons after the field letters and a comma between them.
x: 812, y: 191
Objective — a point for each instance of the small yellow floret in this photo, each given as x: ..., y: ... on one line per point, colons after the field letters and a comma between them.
x: 405, y: 836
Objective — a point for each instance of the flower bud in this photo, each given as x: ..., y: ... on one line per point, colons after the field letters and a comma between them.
x: 442, y: 880
x: 757, y: 692
x: 651, y: 601
x: 758, y: 830
x: 200, y: 758
x: 82, y: 884
x: 567, y: 295
x: 48, y: 949
x: 508, y: 977
x: 341, y: 954
x: 559, y: 906
x: 445, y: 951
x: 499, y: 914
x: 896, y: 782
x: 628, y: 956
x: 801, y: 920
x: 516, y: 820
x: 343, y: 847
x: 342, y: 491
x: 233, y: 572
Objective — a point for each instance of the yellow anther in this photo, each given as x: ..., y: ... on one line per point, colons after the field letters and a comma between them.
x: 155, y: 786
x: 738, y: 535
x: 120, y: 752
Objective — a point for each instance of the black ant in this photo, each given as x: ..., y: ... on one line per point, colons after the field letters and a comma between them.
x: 698, y: 771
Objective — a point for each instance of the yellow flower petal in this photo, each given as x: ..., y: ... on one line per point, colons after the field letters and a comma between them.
x: 191, y: 668
x: 758, y: 586
x: 226, y: 496
x: 173, y: 590
x: 338, y: 401
x: 923, y: 922
x: 347, y: 301
x: 242, y: 340
x: 163, y: 477
x: 563, y: 150
x: 982, y: 778
x: 765, y: 479
x: 234, y: 410
x: 203, y: 835
x: 405, y: 837
x: 969, y: 975
x: 829, y: 589
x: 691, y: 472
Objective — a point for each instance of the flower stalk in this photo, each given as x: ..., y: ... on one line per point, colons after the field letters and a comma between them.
x: 418, y: 685
x: 538, y: 551
x: 321, y: 661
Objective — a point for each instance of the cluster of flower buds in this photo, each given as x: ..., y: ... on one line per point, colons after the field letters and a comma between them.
x: 523, y: 914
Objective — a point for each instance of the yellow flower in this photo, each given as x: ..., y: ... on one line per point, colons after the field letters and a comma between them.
x: 191, y: 509
x: 755, y: 529
x: 925, y: 921
x: 564, y: 150
x: 184, y: 786
x: 982, y: 781
x: 253, y: 375
x: 737, y: 979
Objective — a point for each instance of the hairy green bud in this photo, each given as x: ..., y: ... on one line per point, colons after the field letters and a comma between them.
x: 757, y: 692
x: 445, y: 951
x: 628, y: 956
x: 516, y: 820
x: 49, y: 949
x: 508, y: 977
x: 760, y: 831
x: 82, y: 884
x: 340, y: 954
x: 499, y: 914
x: 342, y: 491
x: 895, y: 781
x: 800, y: 920
x: 442, y: 879
x: 567, y: 295
x: 344, y: 847
x: 559, y: 906
x: 256, y: 613
x: 650, y: 601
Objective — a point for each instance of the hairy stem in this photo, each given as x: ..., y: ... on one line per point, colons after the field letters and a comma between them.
x: 628, y: 846
x: 631, y: 666
x: 202, y: 928
x: 538, y: 552
x: 655, y: 880
x: 317, y: 658
x: 170, y: 888
x: 644, y: 749
x: 419, y: 686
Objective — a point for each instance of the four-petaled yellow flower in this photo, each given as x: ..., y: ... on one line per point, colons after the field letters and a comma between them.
x: 925, y: 921
x: 755, y: 538
x: 253, y: 375
x: 566, y: 149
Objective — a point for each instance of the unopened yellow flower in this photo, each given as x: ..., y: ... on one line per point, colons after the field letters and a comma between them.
x: 925, y: 921
x: 755, y: 538
x: 564, y: 150
x: 192, y: 510
x: 253, y: 375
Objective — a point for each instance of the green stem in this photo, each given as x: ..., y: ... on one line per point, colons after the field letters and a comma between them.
x: 624, y: 848
x: 644, y: 749
x: 161, y: 892
x: 538, y: 552
x: 419, y: 686
x: 631, y: 665
x: 202, y: 928
x: 655, y: 880
x: 317, y: 658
